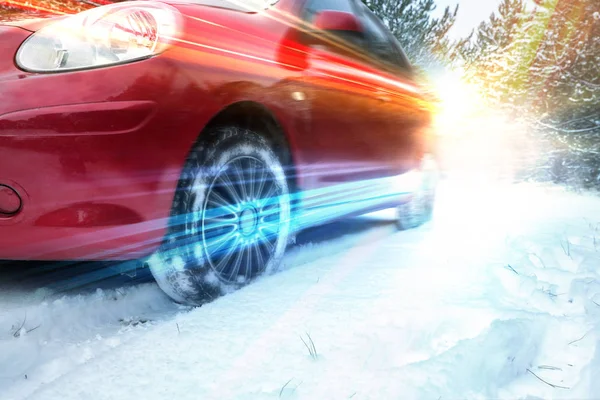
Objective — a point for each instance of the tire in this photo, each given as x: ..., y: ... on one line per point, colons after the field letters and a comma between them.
x: 230, y: 221
x: 419, y: 209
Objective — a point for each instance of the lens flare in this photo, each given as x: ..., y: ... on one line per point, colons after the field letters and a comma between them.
x: 476, y: 140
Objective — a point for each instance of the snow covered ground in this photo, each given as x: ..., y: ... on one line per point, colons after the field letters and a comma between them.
x: 499, y: 297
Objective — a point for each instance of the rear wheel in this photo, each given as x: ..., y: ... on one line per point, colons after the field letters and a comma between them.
x: 230, y: 221
x: 419, y: 209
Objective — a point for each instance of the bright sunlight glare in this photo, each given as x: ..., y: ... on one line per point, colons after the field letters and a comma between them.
x: 477, y: 141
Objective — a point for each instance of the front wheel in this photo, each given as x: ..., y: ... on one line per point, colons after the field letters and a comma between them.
x: 419, y: 209
x: 230, y: 220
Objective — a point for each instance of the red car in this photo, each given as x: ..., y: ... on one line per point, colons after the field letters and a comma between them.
x: 198, y: 136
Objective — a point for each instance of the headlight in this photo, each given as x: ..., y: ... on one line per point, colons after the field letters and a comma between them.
x: 101, y: 36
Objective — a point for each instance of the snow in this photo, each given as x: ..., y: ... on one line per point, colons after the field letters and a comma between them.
x: 497, y: 295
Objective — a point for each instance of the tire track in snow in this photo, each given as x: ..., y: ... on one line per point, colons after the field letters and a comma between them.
x: 69, y: 331
x: 76, y: 329
x: 244, y: 367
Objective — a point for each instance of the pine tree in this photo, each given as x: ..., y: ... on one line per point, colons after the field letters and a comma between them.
x: 566, y: 99
x: 544, y: 65
x: 491, y: 54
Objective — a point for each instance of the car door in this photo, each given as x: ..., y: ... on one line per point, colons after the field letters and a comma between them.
x: 401, y: 115
x: 342, y: 100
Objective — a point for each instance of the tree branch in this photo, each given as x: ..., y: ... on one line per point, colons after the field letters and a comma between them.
x: 547, y: 383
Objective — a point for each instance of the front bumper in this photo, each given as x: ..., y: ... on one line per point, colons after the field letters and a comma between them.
x: 91, y: 155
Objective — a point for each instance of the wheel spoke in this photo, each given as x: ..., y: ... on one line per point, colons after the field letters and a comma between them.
x: 231, y: 189
x: 221, y: 215
x: 214, y: 233
x: 215, y: 198
x: 260, y: 262
x: 251, y: 171
x: 221, y: 221
x: 261, y: 182
x: 215, y: 220
x: 264, y: 240
x: 270, y: 213
x: 236, y: 263
x: 218, y: 200
x: 239, y: 172
x: 248, y: 258
x: 266, y: 200
x: 272, y: 226
x: 222, y: 264
x: 216, y: 242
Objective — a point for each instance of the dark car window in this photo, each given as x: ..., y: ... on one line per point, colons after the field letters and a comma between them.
x: 378, y: 43
x: 312, y: 7
x: 403, y: 61
x: 381, y: 45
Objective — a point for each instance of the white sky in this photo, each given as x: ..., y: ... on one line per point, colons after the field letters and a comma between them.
x: 470, y: 13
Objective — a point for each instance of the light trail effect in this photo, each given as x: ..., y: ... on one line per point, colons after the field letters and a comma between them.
x: 305, y: 28
x: 208, y: 50
x: 52, y: 8
x: 232, y: 45
x: 22, y: 5
x: 223, y: 50
x: 319, y: 207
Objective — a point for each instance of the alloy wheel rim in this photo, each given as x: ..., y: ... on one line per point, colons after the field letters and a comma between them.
x: 241, y: 219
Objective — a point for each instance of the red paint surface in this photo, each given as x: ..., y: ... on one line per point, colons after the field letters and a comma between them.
x: 95, y: 155
x: 338, y: 21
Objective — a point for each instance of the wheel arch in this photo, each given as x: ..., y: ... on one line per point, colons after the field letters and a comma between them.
x: 258, y: 118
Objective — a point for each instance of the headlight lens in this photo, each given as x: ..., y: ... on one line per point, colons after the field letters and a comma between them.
x: 100, y: 37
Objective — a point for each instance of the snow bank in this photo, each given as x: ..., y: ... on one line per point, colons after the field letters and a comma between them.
x: 44, y: 336
x: 499, y: 297
x: 476, y: 368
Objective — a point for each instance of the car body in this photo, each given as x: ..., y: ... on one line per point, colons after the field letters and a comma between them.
x: 90, y: 159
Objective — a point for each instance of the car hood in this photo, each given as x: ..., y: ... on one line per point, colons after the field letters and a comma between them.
x: 25, y: 20
x: 34, y: 20
x: 247, y: 6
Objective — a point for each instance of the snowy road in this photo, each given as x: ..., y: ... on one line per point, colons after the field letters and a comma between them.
x: 499, y: 297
